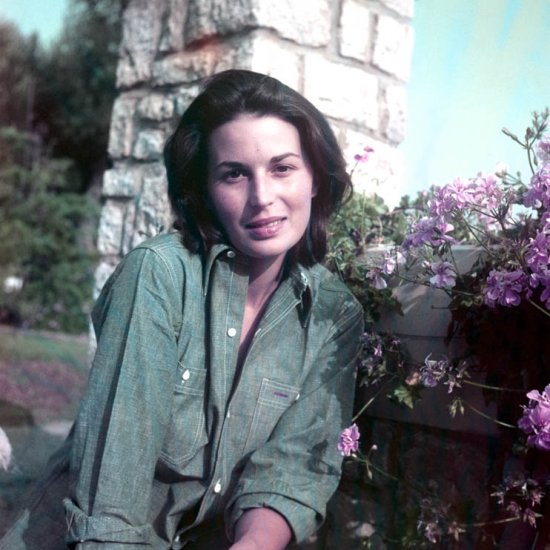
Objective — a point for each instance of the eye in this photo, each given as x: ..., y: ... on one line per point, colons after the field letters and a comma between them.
x: 283, y: 169
x: 233, y: 175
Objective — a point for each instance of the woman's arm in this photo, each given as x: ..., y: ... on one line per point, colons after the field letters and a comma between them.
x: 125, y: 411
x: 261, y: 529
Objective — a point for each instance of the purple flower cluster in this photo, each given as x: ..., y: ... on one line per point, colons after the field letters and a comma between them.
x: 543, y: 149
x: 433, y: 372
x: 538, y: 194
x: 434, y: 521
x: 432, y: 231
x: 504, y: 288
x: 444, y: 275
x: 520, y: 495
x: 535, y: 421
x: 349, y: 440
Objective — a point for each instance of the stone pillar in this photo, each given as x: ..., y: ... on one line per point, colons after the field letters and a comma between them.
x: 351, y: 58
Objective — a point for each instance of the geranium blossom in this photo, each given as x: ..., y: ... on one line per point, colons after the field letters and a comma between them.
x: 543, y: 148
x: 428, y: 231
x: 536, y: 419
x: 364, y: 157
x: 537, y: 252
x: 538, y: 194
x: 444, y: 275
x: 349, y: 440
x: 504, y: 288
x: 375, y: 276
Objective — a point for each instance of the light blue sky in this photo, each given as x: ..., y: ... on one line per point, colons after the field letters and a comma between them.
x: 478, y: 65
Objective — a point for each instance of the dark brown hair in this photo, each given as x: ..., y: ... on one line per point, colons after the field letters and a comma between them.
x: 225, y: 96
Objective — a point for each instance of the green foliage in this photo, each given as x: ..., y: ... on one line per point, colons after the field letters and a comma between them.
x: 41, y: 238
x: 364, y: 221
x: 76, y: 85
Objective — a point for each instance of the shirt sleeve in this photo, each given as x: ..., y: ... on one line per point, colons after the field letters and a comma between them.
x: 122, y: 421
x: 297, y: 471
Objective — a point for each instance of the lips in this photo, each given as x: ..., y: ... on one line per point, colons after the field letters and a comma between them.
x: 265, y: 222
x: 265, y: 228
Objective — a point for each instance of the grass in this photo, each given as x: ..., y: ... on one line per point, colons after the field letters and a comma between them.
x: 18, y: 346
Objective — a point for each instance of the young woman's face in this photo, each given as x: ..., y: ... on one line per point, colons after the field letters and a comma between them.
x: 261, y: 184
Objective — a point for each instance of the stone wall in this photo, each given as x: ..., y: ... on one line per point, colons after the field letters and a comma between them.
x: 351, y: 58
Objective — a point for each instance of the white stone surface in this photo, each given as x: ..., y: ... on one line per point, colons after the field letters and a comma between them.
x: 270, y: 57
x: 153, y: 208
x: 306, y: 22
x: 382, y: 173
x: 149, y: 144
x: 121, y: 181
x: 140, y: 38
x: 102, y: 273
x: 183, y: 96
x: 342, y: 92
x: 355, y: 30
x: 156, y: 106
x: 402, y: 7
x: 110, y: 228
x: 394, y: 109
x: 172, y: 36
x: 121, y: 132
x: 393, y: 47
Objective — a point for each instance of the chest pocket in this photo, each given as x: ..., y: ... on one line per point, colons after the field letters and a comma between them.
x: 186, y: 433
x: 273, y: 400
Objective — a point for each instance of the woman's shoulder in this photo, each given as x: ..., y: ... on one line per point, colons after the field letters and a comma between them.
x: 329, y: 289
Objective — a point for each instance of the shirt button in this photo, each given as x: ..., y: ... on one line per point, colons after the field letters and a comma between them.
x: 186, y: 374
x: 228, y: 414
x: 231, y: 332
x: 218, y: 486
x: 230, y: 254
x: 177, y: 538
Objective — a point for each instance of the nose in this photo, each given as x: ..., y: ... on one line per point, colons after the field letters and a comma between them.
x: 260, y: 193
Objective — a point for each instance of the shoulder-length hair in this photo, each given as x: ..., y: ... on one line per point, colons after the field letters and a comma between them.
x: 225, y: 96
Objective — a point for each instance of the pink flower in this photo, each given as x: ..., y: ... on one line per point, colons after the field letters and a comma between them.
x: 377, y: 281
x: 364, y: 157
x: 538, y: 194
x: 428, y: 231
x: 504, y: 288
x: 543, y: 148
x: 5, y: 450
x: 535, y: 421
x: 444, y: 275
x: 349, y: 440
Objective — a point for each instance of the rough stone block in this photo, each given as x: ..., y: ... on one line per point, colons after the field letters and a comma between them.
x: 190, y: 66
x: 342, y: 92
x: 154, y: 214
x: 402, y: 7
x: 306, y: 22
x: 394, y: 109
x: 183, y: 97
x: 172, y: 38
x: 121, y: 181
x: 109, y: 235
x: 268, y: 56
x: 103, y: 271
x: 393, y: 47
x: 156, y: 107
x: 149, y: 145
x: 382, y: 173
x: 142, y: 25
x: 355, y: 30
x: 121, y: 132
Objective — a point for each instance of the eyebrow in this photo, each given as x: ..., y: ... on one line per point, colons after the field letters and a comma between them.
x: 273, y: 160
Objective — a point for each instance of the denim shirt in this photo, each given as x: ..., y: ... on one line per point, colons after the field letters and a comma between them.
x: 168, y: 424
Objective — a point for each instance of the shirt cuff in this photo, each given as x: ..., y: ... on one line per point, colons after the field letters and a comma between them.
x: 302, y: 519
x: 89, y: 531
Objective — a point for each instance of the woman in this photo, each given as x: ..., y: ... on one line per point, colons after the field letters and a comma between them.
x: 225, y: 365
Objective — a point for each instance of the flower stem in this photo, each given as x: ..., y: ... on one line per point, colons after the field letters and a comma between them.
x: 541, y: 309
x: 489, y: 387
x: 488, y: 417
x: 369, y: 402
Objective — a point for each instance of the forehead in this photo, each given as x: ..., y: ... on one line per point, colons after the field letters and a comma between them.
x: 248, y: 133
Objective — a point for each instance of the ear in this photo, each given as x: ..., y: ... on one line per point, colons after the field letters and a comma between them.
x: 314, y: 189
